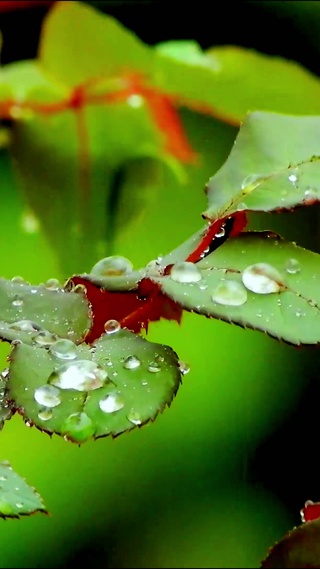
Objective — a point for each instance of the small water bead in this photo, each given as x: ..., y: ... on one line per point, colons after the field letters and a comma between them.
x: 183, y: 367
x: 262, y: 278
x: 115, y: 265
x: 64, y: 349
x: 230, y: 293
x: 242, y: 206
x: 154, y: 367
x: 292, y: 266
x: 154, y: 268
x: 47, y: 396
x: 293, y: 178
x: 159, y: 358
x: 134, y: 417
x: 131, y: 362
x: 17, y: 301
x: 112, y: 326
x: 19, y: 505
x: 135, y: 101
x: 311, y: 196
x: 81, y: 375
x: 185, y: 272
x: 52, y: 284
x: 252, y: 179
x: 111, y: 403
x: 45, y: 414
x: 221, y: 232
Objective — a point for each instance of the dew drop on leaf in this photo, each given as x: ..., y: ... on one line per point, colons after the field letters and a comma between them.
x: 262, y: 278
x: 229, y: 293
x: 115, y: 265
x: 185, y: 272
x: 183, y: 367
x: 45, y: 414
x: 25, y: 326
x: 292, y: 266
x: 17, y: 301
x: 134, y: 418
x: 111, y: 403
x: 131, y: 362
x: 47, y: 396
x: 52, y: 284
x: 81, y: 375
x: 64, y: 349
x: 18, y: 280
x: 250, y: 180
x: 154, y: 367
x: 112, y: 326
x: 78, y: 428
x: 44, y: 338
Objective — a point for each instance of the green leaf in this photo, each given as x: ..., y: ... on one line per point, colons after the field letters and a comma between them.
x: 105, y: 46
x: 80, y: 392
x: 274, y: 164
x: 17, y: 498
x: 221, y: 286
x: 300, y: 547
x: 42, y: 313
x: 6, y: 409
x: 229, y: 81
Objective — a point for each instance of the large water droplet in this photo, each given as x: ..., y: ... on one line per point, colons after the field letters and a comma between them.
x: 45, y: 338
x: 77, y: 428
x: 134, y: 417
x: 154, y: 367
x: 185, y: 272
x: 81, y: 375
x: 47, y: 396
x: 111, y: 403
x: 112, y: 326
x: 24, y: 326
x: 64, y: 349
x: 45, y: 414
x: 131, y: 362
x: 262, y: 278
x: 18, y: 280
x: 292, y: 266
x: 229, y: 293
x: 115, y: 265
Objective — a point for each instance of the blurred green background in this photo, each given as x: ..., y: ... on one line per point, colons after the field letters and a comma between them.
x: 222, y: 474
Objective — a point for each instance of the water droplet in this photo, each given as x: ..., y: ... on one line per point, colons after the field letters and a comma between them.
x: 78, y: 428
x: 25, y: 326
x: 115, y: 265
x: 64, y: 349
x: 154, y: 268
x: 44, y: 338
x: 134, y: 418
x: 131, y: 362
x: 229, y: 293
x: 299, y: 313
x: 293, y: 178
x: 135, y: 101
x: 17, y: 301
x: 111, y: 403
x: 81, y: 375
x: 112, y: 326
x: 3, y: 478
x: 203, y: 286
x: 19, y: 505
x: 45, y: 414
x: 183, y: 367
x: 221, y: 232
x: 159, y: 358
x: 185, y: 272
x: 52, y: 284
x: 292, y: 266
x: 262, y: 278
x: 29, y: 222
x: 47, y: 396
x: 18, y: 280
x: 154, y: 367
x: 242, y: 206
x: 251, y: 180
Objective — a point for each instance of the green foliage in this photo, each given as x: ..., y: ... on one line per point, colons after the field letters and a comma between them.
x: 17, y: 498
